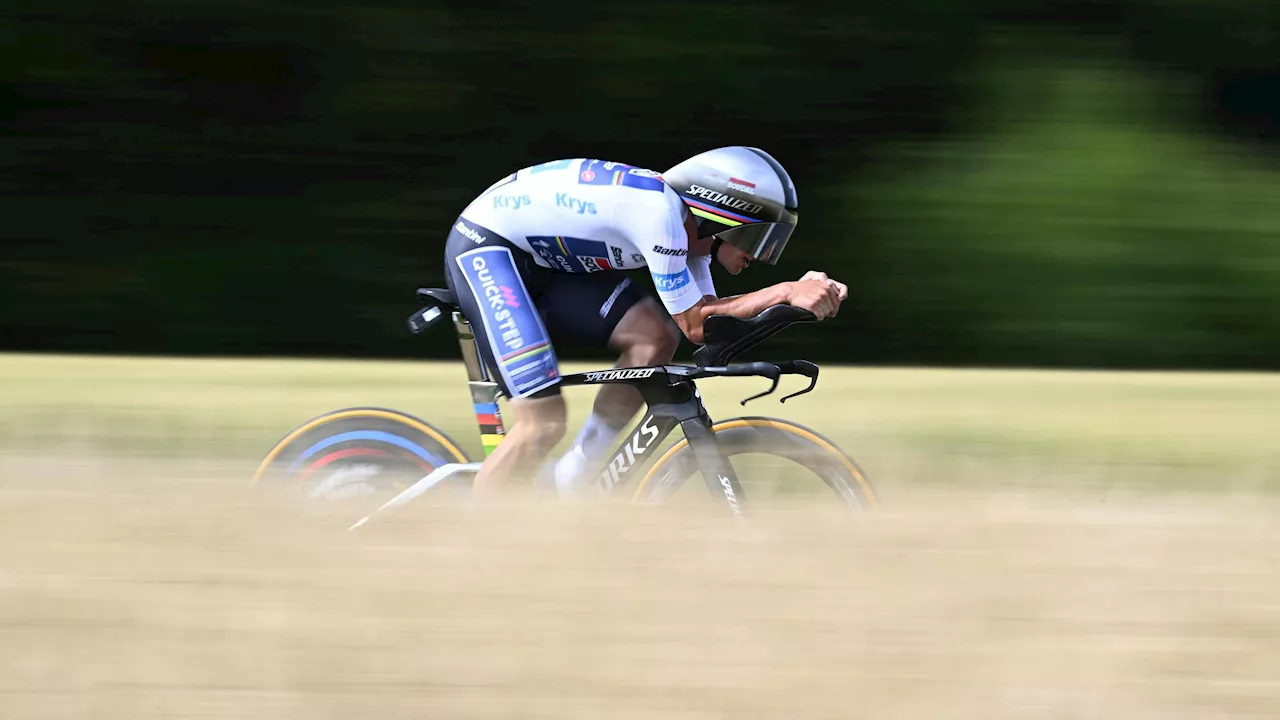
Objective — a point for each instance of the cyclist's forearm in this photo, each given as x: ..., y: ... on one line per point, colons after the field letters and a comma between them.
x: 750, y: 304
x: 743, y: 306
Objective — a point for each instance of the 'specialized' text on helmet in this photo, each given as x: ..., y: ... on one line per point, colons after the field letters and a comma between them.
x: 741, y: 195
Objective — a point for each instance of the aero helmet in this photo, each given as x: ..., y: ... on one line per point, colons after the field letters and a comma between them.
x: 742, y: 196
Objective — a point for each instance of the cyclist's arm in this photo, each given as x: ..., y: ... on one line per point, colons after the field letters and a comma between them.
x: 684, y: 283
x: 743, y: 306
x: 700, y: 269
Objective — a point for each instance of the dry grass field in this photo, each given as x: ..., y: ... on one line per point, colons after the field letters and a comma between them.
x: 1050, y: 545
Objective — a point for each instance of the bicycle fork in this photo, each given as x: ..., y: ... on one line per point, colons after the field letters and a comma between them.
x: 681, y: 404
x: 717, y: 472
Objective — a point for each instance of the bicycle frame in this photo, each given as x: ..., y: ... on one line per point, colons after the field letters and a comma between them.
x: 669, y: 402
x: 669, y: 392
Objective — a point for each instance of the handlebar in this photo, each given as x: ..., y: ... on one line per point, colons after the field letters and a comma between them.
x: 773, y: 371
x: 725, y: 337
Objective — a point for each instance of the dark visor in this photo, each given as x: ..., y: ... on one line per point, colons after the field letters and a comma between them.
x: 762, y: 241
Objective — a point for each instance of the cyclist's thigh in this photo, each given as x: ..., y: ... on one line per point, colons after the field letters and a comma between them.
x: 488, y: 276
x: 583, y: 310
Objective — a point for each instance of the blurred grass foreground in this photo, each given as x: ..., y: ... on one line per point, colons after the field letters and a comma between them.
x: 151, y: 603
x: 137, y: 591
x: 1052, y: 544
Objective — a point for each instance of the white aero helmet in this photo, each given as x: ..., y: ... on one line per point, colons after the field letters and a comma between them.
x: 742, y: 196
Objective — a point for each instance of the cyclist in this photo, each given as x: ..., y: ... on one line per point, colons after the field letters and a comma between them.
x: 538, y: 260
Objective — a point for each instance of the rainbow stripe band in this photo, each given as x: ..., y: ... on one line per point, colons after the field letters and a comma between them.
x: 490, y: 421
x: 526, y: 352
x: 489, y: 442
x: 488, y: 417
x: 715, y: 218
x: 720, y: 215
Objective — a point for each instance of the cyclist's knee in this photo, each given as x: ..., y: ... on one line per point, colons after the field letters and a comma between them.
x: 542, y: 435
x: 666, y: 343
x: 647, y: 335
x: 542, y: 420
x: 654, y: 351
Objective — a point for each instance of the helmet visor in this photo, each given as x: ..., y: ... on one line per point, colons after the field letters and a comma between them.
x: 762, y: 241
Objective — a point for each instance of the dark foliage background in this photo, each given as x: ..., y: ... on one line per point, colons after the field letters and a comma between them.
x: 1001, y: 183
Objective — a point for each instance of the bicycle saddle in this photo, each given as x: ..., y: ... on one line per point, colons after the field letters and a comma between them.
x: 442, y: 297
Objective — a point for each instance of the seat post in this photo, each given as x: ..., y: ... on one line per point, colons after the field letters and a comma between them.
x: 476, y: 371
x: 484, y: 391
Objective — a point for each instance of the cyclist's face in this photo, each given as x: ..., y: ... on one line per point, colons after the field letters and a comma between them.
x: 733, y: 259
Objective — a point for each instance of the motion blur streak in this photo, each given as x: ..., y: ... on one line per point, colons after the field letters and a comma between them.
x: 175, y: 594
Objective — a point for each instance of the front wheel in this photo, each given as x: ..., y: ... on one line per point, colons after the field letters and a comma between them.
x: 774, y: 459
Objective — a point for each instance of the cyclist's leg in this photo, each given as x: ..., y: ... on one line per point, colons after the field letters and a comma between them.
x: 489, y: 280
x: 645, y: 335
x: 599, y: 310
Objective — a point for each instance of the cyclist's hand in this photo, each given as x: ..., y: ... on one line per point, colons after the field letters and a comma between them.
x: 819, y: 297
x: 841, y: 288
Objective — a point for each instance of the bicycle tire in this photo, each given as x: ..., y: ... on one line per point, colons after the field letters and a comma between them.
x: 369, y: 450
x: 768, y: 436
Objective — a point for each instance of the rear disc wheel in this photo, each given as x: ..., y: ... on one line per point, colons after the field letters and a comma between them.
x: 360, y: 457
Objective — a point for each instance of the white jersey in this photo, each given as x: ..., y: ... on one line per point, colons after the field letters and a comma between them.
x: 582, y: 215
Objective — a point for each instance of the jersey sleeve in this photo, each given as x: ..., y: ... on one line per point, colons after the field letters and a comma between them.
x: 657, y: 231
x: 700, y: 269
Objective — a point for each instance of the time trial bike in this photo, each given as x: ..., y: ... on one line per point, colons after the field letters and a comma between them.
x: 375, y: 452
